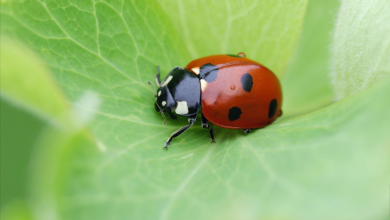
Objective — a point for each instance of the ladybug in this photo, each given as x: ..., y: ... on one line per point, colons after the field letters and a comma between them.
x: 233, y: 91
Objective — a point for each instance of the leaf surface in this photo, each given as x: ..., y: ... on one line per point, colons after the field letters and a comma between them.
x: 25, y: 81
x: 361, y: 46
x: 307, y: 85
x: 299, y: 168
x: 266, y: 31
x: 332, y: 159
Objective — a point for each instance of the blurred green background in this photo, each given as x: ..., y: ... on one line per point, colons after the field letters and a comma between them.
x: 80, y: 139
x: 19, y: 132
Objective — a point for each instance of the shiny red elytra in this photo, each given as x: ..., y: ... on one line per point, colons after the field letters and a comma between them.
x: 234, y: 92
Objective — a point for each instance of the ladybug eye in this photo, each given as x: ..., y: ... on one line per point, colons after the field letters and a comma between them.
x: 156, y: 107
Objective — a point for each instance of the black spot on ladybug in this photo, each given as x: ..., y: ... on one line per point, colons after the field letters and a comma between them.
x: 234, y: 113
x: 208, y: 72
x: 272, y: 108
x: 247, y: 82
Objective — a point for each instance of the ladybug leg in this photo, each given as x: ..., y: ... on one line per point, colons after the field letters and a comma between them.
x: 191, y: 120
x: 158, y: 79
x: 212, y: 133
x: 205, y: 123
x: 248, y: 131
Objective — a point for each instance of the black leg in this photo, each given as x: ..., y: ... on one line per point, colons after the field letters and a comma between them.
x: 205, y: 123
x: 158, y: 79
x: 248, y: 131
x: 212, y: 133
x: 191, y: 120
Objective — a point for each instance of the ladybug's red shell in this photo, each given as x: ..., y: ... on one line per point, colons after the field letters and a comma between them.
x: 236, y: 92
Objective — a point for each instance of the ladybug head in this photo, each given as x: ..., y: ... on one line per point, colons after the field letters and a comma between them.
x: 164, y: 101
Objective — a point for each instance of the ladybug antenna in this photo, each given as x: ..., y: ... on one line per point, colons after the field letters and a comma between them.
x: 165, y: 119
x: 158, y: 81
x: 154, y: 92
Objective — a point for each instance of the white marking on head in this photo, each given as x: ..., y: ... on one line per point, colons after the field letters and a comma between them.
x: 164, y: 103
x: 181, y: 108
x: 203, y: 85
x: 195, y: 70
x: 159, y: 93
x: 167, y: 81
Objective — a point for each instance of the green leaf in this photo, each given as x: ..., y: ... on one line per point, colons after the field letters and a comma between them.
x: 332, y: 159
x: 307, y: 85
x: 361, y: 46
x: 18, y: 210
x: 116, y: 65
x: 330, y: 163
x: 19, y: 131
x: 30, y: 92
x: 266, y: 31
x: 20, y: 68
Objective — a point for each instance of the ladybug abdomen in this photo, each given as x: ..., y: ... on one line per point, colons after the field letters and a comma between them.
x: 240, y: 96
